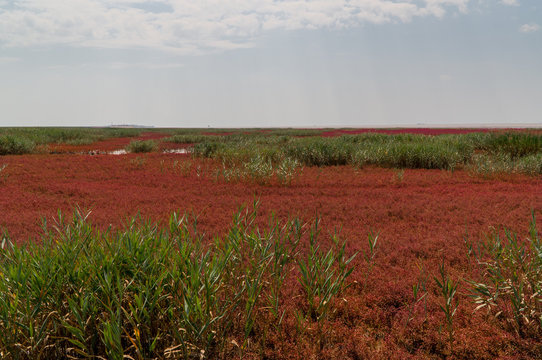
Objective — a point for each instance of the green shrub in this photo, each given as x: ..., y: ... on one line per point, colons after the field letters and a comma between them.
x: 530, y: 165
x: 206, y: 149
x: 409, y: 155
x: 139, y: 146
x: 15, y: 145
x: 260, y: 169
x: 320, y: 151
x: 191, y: 138
x: 515, y: 144
x: 487, y: 165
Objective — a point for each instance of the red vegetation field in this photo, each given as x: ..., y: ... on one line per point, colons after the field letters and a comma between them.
x: 421, y: 218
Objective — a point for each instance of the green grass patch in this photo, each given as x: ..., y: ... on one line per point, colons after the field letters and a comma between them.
x: 158, y: 292
x: 14, y: 145
x: 18, y: 141
x: 481, y: 152
x: 142, y: 146
x: 510, y: 287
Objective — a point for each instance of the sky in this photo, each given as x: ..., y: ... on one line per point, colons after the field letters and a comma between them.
x: 271, y: 63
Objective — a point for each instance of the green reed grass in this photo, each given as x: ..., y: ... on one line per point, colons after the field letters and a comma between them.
x: 448, y: 290
x: 514, y: 144
x: 419, y: 293
x: 192, y: 138
x: 148, y: 291
x: 323, y: 274
x: 511, y: 283
x: 14, y: 145
x: 259, y: 169
x: 480, y: 152
x: 246, y: 131
x: 142, y: 146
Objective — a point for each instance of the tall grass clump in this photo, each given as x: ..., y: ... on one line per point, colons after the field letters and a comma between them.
x: 488, y: 165
x: 261, y: 171
x: 417, y: 155
x: 294, y: 132
x: 510, y: 287
x: 319, y: 278
x: 419, y: 293
x: 192, y: 138
x: 150, y: 292
x: 448, y: 290
x: 515, y: 144
x: 482, y: 153
x: 323, y: 276
x: 397, y: 151
x: 263, y: 163
x: 15, y: 145
x: 317, y: 151
x: 530, y: 164
x: 205, y: 131
x: 142, y: 146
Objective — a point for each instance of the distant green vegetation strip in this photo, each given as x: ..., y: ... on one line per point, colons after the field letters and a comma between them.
x: 262, y: 150
x: 17, y: 141
x: 248, y: 131
x: 490, y: 152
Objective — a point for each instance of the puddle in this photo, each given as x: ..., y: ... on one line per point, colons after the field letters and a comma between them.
x: 124, y: 152
x: 176, y: 151
x: 118, y: 152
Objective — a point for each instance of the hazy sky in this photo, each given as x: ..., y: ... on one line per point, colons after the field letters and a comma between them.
x: 241, y: 63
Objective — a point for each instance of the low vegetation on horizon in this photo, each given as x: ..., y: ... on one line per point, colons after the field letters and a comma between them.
x: 264, y: 151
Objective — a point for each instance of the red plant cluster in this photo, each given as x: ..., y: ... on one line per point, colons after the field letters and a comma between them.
x: 421, y: 217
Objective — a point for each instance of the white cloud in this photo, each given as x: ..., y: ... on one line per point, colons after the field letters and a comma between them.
x: 192, y: 27
x: 118, y: 65
x: 445, y: 77
x: 529, y: 28
x: 8, y: 60
x: 510, y: 2
x: 144, y: 65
